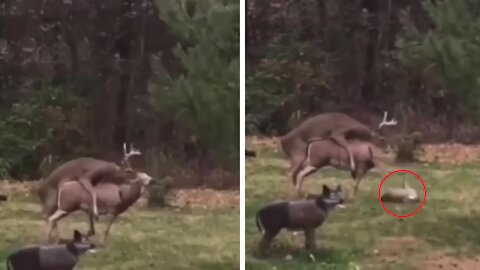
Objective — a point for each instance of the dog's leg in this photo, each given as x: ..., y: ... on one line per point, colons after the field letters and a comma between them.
x: 310, y: 239
x: 266, y: 240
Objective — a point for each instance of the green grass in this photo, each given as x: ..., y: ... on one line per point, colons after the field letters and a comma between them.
x: 356, y: 236
x: 140, y: 239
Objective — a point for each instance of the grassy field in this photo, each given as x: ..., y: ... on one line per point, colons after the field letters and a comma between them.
x: 445, y: 234
x: 166, y: 238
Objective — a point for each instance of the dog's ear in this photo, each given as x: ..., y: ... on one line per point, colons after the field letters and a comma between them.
x: 77, y: 236
x: 339, y: 187
x: 326, y: 190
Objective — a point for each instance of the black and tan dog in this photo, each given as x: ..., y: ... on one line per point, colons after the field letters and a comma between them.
x: 302, y: 215
x: 51, y: 257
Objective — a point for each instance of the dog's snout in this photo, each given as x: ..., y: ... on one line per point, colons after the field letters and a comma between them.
x: 144, y: 177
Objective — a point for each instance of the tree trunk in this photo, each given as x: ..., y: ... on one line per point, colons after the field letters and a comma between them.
x: 124, y: 47
x: 369, y: 79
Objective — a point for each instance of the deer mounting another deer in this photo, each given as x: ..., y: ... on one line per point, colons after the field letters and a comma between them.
x: 338, y: 127
x: 326, y: 152
x: 95, y: 172
x: 83, y: 169
x: 112, y: 201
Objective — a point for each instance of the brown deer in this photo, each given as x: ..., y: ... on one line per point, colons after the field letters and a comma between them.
x: 333, y: 125
x: 326, y: 152
x: 112, y: 201
x: 88, y: 172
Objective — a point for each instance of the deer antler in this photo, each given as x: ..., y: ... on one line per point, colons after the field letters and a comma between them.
x: 131, y: 152
x: 384, y: 122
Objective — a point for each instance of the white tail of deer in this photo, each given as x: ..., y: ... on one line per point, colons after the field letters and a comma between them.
x: 131, y: 152
x: 384, y: 122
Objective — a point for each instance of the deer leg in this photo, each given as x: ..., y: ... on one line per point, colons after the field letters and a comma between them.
x: 50, y: 203
x: 304, y: 172
x: 296, y: 163
x: 89, y: 187
x: 52, y: 223
x: 110, y: 220
x: 339, y: 138
x: 296, y: 155
x: 358, y: 176
x: 91, y: 231
x: 357, y: 183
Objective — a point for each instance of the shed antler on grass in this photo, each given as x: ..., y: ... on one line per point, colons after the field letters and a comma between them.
x: 131, y: 152
x: 384, y: 122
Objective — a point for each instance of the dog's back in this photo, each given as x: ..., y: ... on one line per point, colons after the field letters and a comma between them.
x: 273, y: 216
x: 301, y: 214
x: 24, y: 259
x: 305, y: 214
x: 50, y: 257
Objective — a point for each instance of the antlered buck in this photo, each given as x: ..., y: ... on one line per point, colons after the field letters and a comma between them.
x: 113, y: 187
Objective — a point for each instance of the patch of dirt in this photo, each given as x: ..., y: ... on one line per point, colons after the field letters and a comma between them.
x: 263, y: 142
x: 439, y: 260
x: 395, y: 249
x: 451, y: 153
x: 8, y: 187
x: 204, y: 198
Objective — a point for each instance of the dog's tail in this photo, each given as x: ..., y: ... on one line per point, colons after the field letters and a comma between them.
x: 9, y: 264
x: 258, y: 220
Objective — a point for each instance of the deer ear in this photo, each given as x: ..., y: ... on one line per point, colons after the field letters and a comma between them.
x: 77, y: 236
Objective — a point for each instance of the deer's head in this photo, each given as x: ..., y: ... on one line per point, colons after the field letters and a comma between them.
x: 126, y: 168
x: 379, y: 138
x: 127, y: 154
